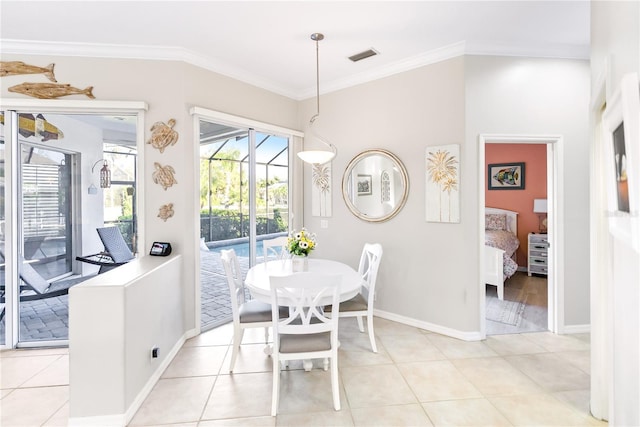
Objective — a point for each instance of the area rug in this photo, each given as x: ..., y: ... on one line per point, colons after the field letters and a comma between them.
x: 507, y: 312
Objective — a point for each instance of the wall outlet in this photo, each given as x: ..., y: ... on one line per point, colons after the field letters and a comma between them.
x: 155, y: 351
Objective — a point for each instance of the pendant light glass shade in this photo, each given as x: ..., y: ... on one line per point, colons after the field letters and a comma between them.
x: 317, y: 156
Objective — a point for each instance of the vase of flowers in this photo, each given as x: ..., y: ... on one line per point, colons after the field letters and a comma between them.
x: 300, y: 244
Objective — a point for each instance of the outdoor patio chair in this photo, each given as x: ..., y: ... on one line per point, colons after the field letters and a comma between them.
x: 116, y: 252
x: 35, y: 287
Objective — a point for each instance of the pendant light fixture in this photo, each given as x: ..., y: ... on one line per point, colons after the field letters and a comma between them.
x: 317, y: 156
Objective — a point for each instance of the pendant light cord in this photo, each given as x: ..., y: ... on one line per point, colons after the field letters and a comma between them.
x: 312, y: 155
x: 317, y: 37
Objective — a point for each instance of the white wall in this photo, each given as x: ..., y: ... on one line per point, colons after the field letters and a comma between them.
x: 524, y: 96
x: 170, y: 89
x: 115, y: 319
x: 429, y: 272
x: 615, y: 394
x: 420, y: 278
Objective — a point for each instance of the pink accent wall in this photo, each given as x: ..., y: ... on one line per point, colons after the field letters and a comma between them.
x: 534, y: 157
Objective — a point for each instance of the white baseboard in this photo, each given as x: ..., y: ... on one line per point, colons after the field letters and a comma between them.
x: 454, y: 333
x: 153, y: 379
x: 99, y: 421
x: 123, y: 419
x: 576, y: 329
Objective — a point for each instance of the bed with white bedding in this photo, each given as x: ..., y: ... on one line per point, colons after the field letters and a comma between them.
x: 501, y: 242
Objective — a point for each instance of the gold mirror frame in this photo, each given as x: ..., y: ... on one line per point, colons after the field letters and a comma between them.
x: 371, y: 185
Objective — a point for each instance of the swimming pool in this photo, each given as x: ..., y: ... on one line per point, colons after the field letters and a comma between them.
x: 241, y: 249
x: 241, y: 245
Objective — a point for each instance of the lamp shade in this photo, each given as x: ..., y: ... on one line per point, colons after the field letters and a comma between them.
x: 540, y: 205
x: 316, y: 156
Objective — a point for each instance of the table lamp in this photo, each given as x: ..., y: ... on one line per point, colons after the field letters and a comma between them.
x: 540, y: 208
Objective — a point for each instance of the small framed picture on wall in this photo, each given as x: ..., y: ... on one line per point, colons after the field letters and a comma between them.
x: 621, y: 127
x: 364, y: 185
x: 506, y: 176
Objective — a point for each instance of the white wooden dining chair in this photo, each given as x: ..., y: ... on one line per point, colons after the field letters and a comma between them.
x: 246, y: 313
x: 275, y: 248
x: 362, y: 304
x: 306, y: 333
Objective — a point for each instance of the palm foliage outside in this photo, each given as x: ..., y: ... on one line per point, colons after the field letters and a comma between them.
x: 224, y: 198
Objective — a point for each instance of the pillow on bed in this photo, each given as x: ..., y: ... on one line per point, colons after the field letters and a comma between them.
x: 495, y: 222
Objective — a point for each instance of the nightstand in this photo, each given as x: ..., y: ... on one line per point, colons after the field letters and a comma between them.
x: 537, y: 257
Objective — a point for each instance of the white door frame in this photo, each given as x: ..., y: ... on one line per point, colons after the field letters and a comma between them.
x: 295, y: 175
x: 53, y: 106
x: 555, y: 220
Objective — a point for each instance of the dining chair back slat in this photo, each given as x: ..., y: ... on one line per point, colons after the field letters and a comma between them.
x: 361, y: 305
x: 245, y: 313
x: 275, y: 248
x: 307, y: 332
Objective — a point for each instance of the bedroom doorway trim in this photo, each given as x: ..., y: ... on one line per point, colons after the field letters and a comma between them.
x: 555, y: 190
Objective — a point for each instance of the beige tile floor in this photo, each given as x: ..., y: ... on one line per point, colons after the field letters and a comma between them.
x: 416, y: 379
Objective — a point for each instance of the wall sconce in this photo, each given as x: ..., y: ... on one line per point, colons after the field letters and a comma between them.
x: 105, y: 173
x: 540, y: 208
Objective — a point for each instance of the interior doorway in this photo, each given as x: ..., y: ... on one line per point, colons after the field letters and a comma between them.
x: 554, y: 238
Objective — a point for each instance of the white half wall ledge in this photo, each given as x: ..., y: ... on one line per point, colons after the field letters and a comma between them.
x: 115, y: 319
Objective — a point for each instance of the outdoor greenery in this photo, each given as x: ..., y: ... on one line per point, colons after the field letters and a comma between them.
x: 224, y: 198
x: 227, y: 224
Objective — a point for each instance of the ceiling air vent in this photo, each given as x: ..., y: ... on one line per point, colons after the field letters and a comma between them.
x: 363, y: 55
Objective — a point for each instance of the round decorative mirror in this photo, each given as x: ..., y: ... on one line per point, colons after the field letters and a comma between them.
x: 375, y: 185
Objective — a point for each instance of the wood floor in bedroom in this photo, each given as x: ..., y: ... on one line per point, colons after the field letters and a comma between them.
x: 530, y: 312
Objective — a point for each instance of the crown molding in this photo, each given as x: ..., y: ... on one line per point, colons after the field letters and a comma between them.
x: 417, y: 61
x: 171, y: 53
x: 540, y: 50
x: 156, y: 53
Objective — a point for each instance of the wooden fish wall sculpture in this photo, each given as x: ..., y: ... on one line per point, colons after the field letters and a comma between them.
x: 166, y: 211
x: 163, y: 135
x: 50, y: 90
x: 40, y: 90
x: 29, y: 126
x: 163, y: 175
x: 16, y: 68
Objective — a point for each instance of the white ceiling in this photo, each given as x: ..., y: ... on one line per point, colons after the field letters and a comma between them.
x: 267, y: 43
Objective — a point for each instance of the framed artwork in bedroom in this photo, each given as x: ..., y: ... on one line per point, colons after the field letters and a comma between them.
x: 621, y: 127
x: 506, y: 176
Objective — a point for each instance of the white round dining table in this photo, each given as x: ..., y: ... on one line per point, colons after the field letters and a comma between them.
x: 257, y: 279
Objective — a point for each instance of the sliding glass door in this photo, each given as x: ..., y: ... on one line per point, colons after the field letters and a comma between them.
x: 45, y: 227
x: 244, y: 199
x: 57, y: 201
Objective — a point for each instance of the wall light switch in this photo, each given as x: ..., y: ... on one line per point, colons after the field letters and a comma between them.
x: 324, y: 223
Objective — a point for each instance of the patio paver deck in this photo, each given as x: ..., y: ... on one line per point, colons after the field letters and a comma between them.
x: 48, y: 319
